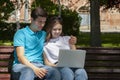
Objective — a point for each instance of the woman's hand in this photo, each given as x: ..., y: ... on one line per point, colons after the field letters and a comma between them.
x: 72, y: 40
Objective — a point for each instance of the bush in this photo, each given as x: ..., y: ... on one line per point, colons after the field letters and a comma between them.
x: 71, y: 21
x: 7, y: 30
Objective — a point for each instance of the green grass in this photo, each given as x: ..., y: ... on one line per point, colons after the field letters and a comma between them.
x: 6, y: 43
x: 108, y: 40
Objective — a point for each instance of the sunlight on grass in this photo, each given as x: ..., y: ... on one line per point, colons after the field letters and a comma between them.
x: 6, y: 43
x: 110, y: 45
x: 108, y: 40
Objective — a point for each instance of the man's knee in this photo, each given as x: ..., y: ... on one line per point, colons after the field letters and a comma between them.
x: 15, y: 75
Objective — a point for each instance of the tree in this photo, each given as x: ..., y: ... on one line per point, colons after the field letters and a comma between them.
x: 95, y: 18
x: 108, y: 4
x: 71, y: 22
x: 95, y: 23
x: 6, y: 7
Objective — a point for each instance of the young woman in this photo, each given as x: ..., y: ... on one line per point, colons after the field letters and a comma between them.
x: 55, y: 41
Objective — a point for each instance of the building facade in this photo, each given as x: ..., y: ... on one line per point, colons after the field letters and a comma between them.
x: 108, y: 19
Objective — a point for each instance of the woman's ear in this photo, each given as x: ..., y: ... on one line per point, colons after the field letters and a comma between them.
x: 31, y: 19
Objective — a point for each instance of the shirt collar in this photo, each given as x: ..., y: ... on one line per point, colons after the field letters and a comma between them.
x: 30, y: 31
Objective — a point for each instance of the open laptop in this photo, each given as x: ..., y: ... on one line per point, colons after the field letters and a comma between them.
x: 71, y: 58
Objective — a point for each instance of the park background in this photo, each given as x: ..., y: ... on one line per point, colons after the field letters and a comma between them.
x: 95, y: 23
x: 77, y: 19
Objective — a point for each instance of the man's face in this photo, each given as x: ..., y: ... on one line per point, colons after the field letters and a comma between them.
x: 38, y: 23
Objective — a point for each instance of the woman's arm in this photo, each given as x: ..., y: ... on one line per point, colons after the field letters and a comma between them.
x: 73, y: 47
x: 46, y: 61
x: 72, y: 42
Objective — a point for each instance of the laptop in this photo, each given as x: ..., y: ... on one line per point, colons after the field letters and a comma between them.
x: 71, y: 58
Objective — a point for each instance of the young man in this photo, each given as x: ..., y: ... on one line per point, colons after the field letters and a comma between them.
x: 28, y: 45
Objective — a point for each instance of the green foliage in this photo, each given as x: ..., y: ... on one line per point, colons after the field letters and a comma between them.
x: 108, y: 39
x: 103, y: 2
x: 71, y: 21
x: 7, y: 30
x: 6, y: 7
x: 110, y: 4
x: 50, y: 7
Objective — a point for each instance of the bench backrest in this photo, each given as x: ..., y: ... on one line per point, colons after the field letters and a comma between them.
x: 5, y: 62
x: 103, y: 63
x: 100, y: 64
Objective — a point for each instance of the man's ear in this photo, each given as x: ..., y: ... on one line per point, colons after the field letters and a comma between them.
x: 32, y: 20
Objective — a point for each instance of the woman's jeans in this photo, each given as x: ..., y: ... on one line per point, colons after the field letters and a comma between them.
x: 73, y: 73
x: 27, y: 73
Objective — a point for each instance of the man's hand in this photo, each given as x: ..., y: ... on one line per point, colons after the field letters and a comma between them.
x: 40, y: 72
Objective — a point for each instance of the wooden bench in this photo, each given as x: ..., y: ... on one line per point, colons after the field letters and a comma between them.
x: 5, y: 55
x: 101, y: 63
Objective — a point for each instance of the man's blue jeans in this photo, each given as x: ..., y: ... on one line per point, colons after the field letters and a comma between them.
x: 27, y: 73
x: 73, y: 73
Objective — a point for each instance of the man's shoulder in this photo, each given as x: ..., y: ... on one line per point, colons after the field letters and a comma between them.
x: 43, y: 32
x: 22, y: 29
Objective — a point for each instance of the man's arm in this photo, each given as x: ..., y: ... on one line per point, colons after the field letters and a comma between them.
x: 40, y: 72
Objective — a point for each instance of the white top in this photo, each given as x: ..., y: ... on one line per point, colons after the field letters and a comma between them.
x: 51, y: 48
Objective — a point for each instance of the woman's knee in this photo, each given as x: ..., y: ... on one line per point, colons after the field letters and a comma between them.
x: 81, y: 72
x: 67, y: 72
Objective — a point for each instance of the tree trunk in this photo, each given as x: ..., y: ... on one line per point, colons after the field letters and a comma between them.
x: 95, y: 23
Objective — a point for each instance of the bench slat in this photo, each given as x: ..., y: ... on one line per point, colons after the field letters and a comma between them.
x: 4, y: 63
x: 105, y: 75
x: 4, y: 56
x: 6, y: 49
x: 101, y: 63
x: 103, y: 70
x: 104, y: 78
x: 3, y: 70
x: 4, y: 76
x: 103, y: 57
x: 104, y: 51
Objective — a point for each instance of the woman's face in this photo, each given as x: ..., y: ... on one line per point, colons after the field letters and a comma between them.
x: 56, y: 30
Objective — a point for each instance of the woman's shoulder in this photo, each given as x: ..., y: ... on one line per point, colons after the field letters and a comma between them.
x: 65, y: 37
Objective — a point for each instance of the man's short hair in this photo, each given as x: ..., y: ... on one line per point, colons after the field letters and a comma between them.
x: 37, y: 12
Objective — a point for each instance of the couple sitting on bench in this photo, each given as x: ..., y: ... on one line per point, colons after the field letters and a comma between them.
x: 31, y: 44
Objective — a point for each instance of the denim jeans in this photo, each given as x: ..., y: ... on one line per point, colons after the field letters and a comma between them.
x: 27, y: 73
x: 73, y: 73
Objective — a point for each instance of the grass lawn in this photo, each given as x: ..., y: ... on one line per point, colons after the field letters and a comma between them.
x: 6, y: 43
x: 108, y: 40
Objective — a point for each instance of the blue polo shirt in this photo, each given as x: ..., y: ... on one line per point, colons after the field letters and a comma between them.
x: 32, y: 42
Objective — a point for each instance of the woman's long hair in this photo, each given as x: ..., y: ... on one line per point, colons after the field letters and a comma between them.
x: 51, y: 22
